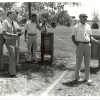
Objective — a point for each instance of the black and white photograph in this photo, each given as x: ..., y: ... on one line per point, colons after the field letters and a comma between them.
x: 50, y: 50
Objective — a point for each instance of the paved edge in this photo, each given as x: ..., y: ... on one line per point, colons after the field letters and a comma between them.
x: 54, y: 84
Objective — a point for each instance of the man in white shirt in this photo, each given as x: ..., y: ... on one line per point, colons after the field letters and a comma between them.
x: 1, y: 39
x: 19, y: 30
x: 44, y: 25
x: 10, y: 36
x: 31, y: 29
x: 81, y: 37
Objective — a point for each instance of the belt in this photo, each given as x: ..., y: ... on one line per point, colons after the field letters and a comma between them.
x: 31, y: 34
x: 84, y: 42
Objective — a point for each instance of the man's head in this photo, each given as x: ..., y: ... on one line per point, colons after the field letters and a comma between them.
x: 43, y: 20
x: 34, y: 17
x: 83, y: 18
x: 12, y: 15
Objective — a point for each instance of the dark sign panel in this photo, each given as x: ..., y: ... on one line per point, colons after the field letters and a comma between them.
x: 95, y: 49
x: 47, y: 45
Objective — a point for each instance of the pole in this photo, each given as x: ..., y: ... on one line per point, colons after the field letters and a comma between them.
x: 29, y: 8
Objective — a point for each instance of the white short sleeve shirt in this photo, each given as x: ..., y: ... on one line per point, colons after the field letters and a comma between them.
x: 82, y: 32
x: 31, y: 27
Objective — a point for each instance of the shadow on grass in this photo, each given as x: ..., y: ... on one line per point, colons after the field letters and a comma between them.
x: 73, y: 83
x: 93, y: 70
x: 46, y: 68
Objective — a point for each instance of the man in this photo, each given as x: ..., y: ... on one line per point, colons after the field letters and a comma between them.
x: 44, y: 25
x: 81, y: 36
x: 17, y: 40
x: 10, y: 36
x: 31, y: 29
x: 1, y: 39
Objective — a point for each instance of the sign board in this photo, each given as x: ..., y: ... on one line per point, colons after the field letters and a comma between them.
x: 47, y: 45
x: 95, y: 49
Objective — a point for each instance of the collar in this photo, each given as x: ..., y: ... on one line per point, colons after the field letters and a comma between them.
x: 9, y: 20
x: 32, y: 22
x: 82, y: 24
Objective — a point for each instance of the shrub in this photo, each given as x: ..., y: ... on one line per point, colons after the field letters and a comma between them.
x: 95, y: 25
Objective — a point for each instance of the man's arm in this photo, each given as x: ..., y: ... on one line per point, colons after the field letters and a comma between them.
x: 74, y: 40
x: 48, y: 25
x: 38, y: 25
x: 25, y: 35
x: 9, y: 34
x: 94, y: 40
x: 74, y: 33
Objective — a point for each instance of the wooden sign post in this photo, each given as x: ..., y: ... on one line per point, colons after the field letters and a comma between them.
x: 95, y: 50
x: 47, y: 45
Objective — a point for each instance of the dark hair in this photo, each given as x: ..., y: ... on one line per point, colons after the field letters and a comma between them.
x: 10, y: 12
x: 34, y: 15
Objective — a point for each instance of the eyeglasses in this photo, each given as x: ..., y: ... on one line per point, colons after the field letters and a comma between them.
x: 85, y: 17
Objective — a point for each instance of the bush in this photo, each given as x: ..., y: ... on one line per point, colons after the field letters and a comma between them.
x: 53, y: 24
x: 68, y: 24
x: 95, y: 25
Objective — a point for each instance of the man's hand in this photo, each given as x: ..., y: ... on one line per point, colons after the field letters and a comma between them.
x: 15, y: 35
x: 25, y: 40
x: 19, y: 34
x: 98, y: 42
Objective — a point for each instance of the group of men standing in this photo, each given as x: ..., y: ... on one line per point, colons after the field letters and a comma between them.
x: 10, y: 33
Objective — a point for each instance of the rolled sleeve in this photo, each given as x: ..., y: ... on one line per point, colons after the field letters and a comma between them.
x: 4, y: 25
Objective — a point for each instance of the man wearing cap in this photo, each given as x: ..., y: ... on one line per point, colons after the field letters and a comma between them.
x: 10, y: 36
x: 81, y: 37
x: 31, y: 29
x: 1, y: 39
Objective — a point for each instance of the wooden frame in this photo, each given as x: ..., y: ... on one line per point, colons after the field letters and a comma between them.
x: 95, y: 50
x: 47, y: 45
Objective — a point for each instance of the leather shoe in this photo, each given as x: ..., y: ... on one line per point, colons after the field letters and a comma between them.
x: 13, y: 76
x: 89, y: 82
x: 78, y: 80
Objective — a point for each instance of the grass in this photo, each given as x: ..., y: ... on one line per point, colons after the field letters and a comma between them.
x: 35, y: 78
x: 32, y: 78
x: 67, y: 87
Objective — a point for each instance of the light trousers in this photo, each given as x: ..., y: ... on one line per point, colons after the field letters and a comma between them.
x: 1, y: 51
x: 11, y: 44
x: 32, y: 48
x: 17, y: 51
x: 83, y: 50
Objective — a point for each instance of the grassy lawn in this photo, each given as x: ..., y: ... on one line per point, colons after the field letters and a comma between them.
x: 35, y: 78
x: 66, y: 87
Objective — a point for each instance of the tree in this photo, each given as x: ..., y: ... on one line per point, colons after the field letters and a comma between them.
x: 95, y: 15
x: 95, y: 18
x: 7, y: 5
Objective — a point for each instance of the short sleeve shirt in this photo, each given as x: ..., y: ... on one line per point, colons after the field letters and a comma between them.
x: 82, y: 32
x: 7, y: 26
x: 1, y: 29
x: 31, y: 27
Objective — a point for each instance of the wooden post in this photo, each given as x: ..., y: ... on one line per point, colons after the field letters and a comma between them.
x: 47, y: 45
x: 29, y: 8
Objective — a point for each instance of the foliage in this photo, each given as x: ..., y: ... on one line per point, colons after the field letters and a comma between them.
x: 63, y: 17
x: 7, y: 5
x: 95, y: 15
x: 51, y: 10
x: 95, y: 25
